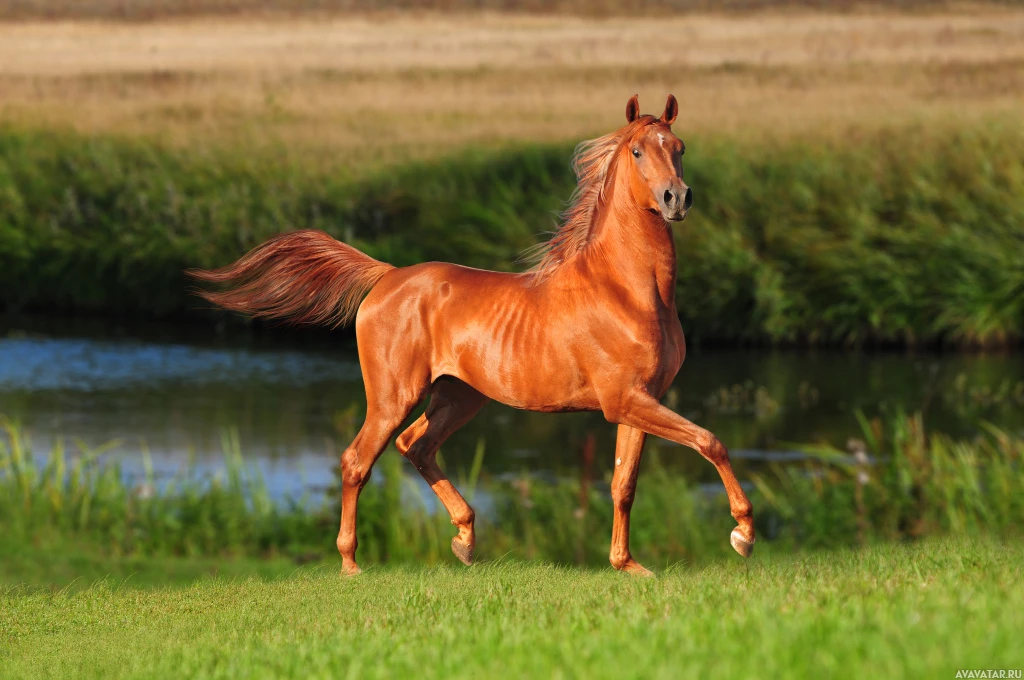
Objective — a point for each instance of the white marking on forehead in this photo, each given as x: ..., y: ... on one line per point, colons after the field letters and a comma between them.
x: 661, y: 139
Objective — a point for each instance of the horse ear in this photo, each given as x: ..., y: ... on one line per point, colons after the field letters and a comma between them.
x: 671, y: 110
x: 632, y: 108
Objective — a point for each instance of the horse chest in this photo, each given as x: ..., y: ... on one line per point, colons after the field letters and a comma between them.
x: 656, y: 349
x: 668, y: 357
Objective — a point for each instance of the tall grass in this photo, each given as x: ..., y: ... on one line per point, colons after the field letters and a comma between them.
x: 913, y: 485
x: 88, y: 496
x: 907, y: 235
x: 919, y: 484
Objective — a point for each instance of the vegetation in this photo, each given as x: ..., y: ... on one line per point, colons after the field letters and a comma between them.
x: 202, y: 577
x: 921, y: 610
x: 916, y: 486
x: 857, y: 178
x: 906, y: 235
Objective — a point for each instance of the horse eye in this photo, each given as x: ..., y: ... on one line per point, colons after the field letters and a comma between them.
x: 636, y: 153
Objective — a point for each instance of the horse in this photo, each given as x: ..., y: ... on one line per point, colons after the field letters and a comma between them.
x: 592, y: 326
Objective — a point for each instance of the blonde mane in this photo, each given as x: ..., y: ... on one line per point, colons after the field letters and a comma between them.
x: 592, y: 162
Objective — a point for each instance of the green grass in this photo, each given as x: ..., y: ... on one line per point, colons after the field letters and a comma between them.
x: 920, y: 610
x: 74, y: 563
x: 912, y: 234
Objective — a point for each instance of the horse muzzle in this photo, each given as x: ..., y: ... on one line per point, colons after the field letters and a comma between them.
x: 675, y: 203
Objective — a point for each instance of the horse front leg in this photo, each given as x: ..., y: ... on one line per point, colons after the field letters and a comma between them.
x: 629, y: 446
x: 644, y: 412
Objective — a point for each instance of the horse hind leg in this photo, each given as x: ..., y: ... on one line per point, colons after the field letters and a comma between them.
x: 356, y: 463
x: 452, y: 404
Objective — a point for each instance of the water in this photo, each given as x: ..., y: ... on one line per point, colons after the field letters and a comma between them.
x: 296, y: 407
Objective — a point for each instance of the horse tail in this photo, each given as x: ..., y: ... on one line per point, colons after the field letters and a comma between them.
x: 305, y: 277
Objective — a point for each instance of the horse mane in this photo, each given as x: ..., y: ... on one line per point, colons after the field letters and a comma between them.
x: 592, y: 161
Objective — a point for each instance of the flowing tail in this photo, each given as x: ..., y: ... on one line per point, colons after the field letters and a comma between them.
x: 305, y: 277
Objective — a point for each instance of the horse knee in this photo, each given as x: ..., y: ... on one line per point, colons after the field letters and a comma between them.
x: 715, y: 451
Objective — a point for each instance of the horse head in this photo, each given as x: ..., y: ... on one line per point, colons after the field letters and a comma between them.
x: 656, y: 157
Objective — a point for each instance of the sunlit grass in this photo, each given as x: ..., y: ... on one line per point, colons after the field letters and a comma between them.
x: 920, y: 610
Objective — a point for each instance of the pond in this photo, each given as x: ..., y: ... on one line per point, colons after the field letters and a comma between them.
x: 177, y: 393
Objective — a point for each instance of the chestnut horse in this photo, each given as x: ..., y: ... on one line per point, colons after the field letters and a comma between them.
x: 592, y: 327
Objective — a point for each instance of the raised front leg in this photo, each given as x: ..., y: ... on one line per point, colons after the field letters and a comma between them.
x: 642, y: 411
x: 629, y: 446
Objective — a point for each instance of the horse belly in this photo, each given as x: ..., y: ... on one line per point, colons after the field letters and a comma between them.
x: 520, y: 361
x: 541, y: 382
x: 543, y: 395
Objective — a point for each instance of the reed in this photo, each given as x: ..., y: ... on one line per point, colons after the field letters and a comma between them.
x: 86, y: 495
x: 918, y: 484
x: 912, y: 485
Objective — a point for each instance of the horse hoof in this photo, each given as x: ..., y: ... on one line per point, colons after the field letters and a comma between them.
x: 636, y: 569
x: 351, y: 570
x: 462, y: 551
x: 741, y: 544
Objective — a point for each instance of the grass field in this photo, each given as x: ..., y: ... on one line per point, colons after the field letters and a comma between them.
x: 147, y: 10
x: 73, y: 563
x: 361, y: 91
x: 920, y: 610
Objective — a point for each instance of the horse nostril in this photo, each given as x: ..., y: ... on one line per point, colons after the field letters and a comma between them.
x: 688, y: 199
x: 669, y: 197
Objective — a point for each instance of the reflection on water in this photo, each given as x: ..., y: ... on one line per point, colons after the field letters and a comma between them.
x: 296, y: 409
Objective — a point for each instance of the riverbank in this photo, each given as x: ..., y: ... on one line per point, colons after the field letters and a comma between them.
x: 912, y: 486
x: 905, y: 235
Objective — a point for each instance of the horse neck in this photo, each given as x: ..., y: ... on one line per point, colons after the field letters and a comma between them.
x: 632, y: 246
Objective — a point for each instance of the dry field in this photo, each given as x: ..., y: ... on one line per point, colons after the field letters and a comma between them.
x: 373, y: 88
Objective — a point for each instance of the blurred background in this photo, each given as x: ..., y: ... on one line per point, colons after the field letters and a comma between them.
x: 851, y: 280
